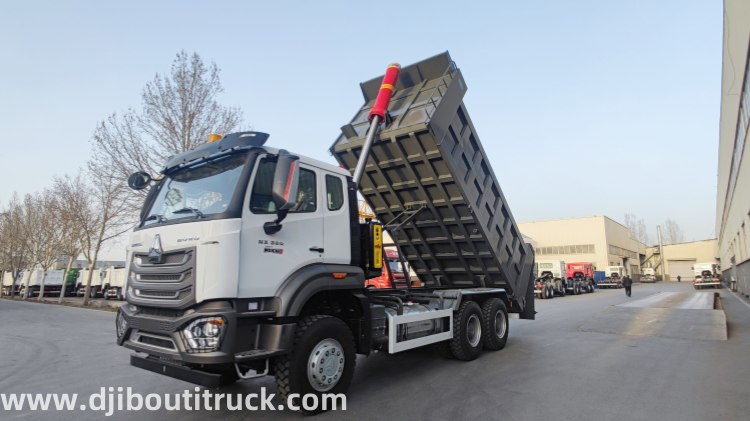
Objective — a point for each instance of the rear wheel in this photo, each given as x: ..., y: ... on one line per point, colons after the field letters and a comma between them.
x: 467, y: 341
x: 321, y: 361
x: 495, y: 324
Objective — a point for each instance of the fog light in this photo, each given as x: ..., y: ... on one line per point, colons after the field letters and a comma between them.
x: 204, y: 334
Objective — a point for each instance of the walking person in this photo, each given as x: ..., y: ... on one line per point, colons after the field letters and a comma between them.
x: 628, y: 284
x: 679, y: 278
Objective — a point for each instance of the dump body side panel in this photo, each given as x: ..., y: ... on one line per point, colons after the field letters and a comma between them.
x: 429, y: 160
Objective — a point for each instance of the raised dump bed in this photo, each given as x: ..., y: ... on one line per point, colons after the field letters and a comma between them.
x: 428, y: 168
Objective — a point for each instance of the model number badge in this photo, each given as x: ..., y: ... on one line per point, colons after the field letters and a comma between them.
x: 273, y: 250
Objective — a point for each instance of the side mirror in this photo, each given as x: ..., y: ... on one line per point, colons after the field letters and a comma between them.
x: 284, y: 192
x: 286, y: 181
x: 139, y: 180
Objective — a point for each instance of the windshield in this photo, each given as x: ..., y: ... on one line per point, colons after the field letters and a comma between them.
x: 394, y: 265
x: 197, y: 192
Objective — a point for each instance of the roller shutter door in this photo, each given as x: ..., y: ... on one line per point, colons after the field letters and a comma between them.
x: 683, y: 268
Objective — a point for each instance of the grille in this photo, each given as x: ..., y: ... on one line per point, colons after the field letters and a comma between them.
x: 159, y: 294
x: 161, y: 312
x: 173, y: 258
x: 169, y: 284
x: 149, y: 277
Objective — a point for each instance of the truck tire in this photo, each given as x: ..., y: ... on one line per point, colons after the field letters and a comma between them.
x: 316, y: 338
x: 543, y: 295
x: 468, y: 340
x: 495, y: 324
x: 551, y: 292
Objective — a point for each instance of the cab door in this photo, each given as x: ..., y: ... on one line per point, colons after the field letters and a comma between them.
x: 336, y: 224
x: 267, y: 260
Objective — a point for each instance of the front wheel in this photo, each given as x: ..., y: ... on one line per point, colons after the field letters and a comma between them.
x: 321, y: 361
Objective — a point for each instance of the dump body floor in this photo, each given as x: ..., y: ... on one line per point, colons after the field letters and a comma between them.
x: 676, y: 315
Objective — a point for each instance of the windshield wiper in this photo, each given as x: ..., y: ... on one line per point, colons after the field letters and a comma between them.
x: 159, y: 218
x: 198, y: 213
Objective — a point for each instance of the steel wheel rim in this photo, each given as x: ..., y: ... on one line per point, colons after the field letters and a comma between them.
x: 473, y: 330
x: 325, y: 366
x: 500, y: 324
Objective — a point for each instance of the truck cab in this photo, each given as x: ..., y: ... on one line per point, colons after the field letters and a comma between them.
x: 613, y: 277
x: 582, y: 275
x: 648, y: 274
x: 551, y: 281
x: 706, y: 276
x: 392, y: 270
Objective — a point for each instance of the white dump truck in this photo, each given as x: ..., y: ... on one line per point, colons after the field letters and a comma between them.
x: 97, y: 287
x: 114, y: 283
x: 250, y: 260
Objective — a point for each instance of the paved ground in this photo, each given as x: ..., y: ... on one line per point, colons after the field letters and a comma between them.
x: 552, y: 368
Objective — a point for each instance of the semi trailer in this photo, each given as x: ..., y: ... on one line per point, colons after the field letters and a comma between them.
x: 250, y: 260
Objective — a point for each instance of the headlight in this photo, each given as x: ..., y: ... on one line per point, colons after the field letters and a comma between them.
x: 121, y: 324
x: 203, y: 335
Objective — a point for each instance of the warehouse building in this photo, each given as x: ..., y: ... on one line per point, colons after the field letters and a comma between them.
x: 678, y: 259
x: 596, y: 239
x: 733, y: 195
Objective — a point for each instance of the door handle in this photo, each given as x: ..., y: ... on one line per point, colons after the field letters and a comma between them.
x: 317, y: 249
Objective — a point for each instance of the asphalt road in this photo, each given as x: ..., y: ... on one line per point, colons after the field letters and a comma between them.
x: 552, y: 368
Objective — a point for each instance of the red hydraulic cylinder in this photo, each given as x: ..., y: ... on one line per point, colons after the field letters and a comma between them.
x: 386, y: 90
x: 377, y: 115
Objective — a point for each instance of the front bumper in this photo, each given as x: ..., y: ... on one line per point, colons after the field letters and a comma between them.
x: 247, y: 336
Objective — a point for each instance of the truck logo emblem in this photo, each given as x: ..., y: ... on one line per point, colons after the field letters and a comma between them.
x: 155, y: 252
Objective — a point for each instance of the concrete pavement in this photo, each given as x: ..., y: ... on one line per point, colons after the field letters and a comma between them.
x: 550, y: 369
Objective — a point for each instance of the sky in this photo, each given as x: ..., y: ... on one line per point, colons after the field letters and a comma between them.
x: 583, y: 107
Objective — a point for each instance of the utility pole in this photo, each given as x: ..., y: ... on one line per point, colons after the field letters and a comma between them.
x: 661, y: 253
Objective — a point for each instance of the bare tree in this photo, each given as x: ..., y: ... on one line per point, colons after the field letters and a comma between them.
x: 36, y: 235
x: 637, y: 228
x: 52, y: 233
x: 178, y: 113
x: 73, y: 198
x: 672, y: 232
x: 13, y: 248
x: 104, y: 217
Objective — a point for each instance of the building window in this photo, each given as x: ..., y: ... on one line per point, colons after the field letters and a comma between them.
x: 743, y: 119
x: 568, y: 249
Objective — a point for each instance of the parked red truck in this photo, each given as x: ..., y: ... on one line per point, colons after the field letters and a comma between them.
x: 391, y: 268
x: 582, y: 274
